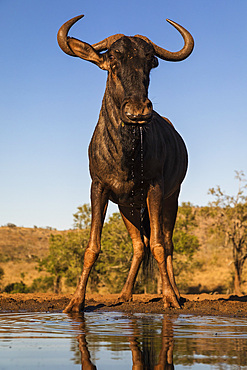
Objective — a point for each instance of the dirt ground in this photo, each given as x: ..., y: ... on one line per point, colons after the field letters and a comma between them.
x: 201, y: 304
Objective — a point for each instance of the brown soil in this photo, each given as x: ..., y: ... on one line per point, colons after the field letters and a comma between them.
x: 203, y: 304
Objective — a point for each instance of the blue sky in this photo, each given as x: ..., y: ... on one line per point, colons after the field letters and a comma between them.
x: 49, y: 102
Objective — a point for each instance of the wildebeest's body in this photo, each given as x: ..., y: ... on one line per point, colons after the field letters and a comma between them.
x: 136, y: 157
x: 111, y: 157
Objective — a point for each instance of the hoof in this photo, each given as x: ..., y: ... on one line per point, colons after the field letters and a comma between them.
x: 74, y: 306
x: 124, y: 298
x: 171, y: 302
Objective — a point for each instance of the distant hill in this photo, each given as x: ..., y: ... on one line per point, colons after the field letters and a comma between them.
x: 23, y: 244
x: 20, y: 249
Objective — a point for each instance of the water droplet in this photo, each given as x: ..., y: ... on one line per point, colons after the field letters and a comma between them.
x: 132, y: 170
x: 142, y: 181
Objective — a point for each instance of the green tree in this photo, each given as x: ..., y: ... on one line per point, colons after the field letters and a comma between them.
x: 75, y: 244
x: 185, y: 242
x: 82, y: 218
x: 66, y: 251
x: 65, y: 257
x: 56, y: 262
x: 230, y: 219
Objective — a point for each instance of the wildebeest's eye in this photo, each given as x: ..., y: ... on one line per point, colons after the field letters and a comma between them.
x: 113, y: 62
x: 114, y: 55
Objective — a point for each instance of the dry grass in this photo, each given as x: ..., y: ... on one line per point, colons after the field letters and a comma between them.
x: 20, y: 271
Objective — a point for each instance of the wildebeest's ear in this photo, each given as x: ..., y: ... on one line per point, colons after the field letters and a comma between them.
x: 86, y: 51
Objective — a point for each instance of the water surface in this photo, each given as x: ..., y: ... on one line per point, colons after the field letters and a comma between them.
x: 121, y: 341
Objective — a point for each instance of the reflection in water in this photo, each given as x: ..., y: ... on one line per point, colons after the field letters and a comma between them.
x: 143, y: 354
x: 112, y: 340
x: 85, y: 355
x: 145, y: 358
x: 160, y: 342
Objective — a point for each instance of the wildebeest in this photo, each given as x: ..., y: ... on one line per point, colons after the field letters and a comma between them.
x: 136, y: 157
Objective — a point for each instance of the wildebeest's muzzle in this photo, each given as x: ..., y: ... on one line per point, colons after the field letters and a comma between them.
x: 135, y: 110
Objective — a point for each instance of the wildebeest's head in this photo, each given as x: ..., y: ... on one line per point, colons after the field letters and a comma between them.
x: 128, y: 61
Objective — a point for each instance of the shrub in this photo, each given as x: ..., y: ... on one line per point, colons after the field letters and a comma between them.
x: 9, y: 224
x: 16, y: 288
x: 42, y: 284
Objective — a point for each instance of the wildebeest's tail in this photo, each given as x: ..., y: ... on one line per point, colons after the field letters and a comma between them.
x: 147, y: 264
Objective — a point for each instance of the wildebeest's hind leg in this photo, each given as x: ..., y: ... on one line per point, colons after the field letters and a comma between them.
x: 139, y: 250
x: 99, y: 202
x: 170, y: 209
x: 160, y: 240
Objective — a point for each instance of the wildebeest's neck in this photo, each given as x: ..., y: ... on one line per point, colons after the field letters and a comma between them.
x: 126, y: 138
x: 114, y: 151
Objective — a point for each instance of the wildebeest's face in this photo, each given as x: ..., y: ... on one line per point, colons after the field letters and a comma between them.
x: 129, y: 61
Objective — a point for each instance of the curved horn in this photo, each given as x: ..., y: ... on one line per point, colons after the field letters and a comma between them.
x: 62, y: 35
x: 178, y: 55
x: 62, y: 38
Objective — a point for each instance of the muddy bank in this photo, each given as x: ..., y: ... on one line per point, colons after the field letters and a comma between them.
x: 201, y: 304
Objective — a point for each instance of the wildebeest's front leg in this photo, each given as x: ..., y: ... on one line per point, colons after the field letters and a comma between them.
x: 157, y: 242
x: 99, y: 202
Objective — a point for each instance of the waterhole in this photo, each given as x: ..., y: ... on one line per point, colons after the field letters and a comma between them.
x: 120, y: 341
